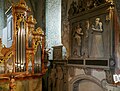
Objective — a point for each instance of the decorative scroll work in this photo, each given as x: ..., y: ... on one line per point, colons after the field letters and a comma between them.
x: 6, y: 56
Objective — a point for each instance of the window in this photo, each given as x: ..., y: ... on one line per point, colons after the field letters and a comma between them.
x: 53, y: 23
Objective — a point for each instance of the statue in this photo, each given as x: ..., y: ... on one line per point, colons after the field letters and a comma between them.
x: 86, y: 39
x: 12, y: 83
x: 78, y: 38
x: 65, y: 37
x: 59, y: 82
x: 52, y: 79
x: 97, y: 41
x: 65, y: 79
x: 78, y: 34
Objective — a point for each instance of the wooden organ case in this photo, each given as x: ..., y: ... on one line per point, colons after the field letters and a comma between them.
x: 24, y: 57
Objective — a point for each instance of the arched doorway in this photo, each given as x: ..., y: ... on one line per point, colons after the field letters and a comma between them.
x: 85, y: 83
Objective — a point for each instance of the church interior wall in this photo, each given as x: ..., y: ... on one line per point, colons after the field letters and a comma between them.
x: 102, y: 77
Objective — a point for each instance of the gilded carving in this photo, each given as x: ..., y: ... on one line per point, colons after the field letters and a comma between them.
x: 109, y: 1
x: 5, y: 53
x: 109, y: 16
x: 31, y: 19
x: 38, y: 38
x: 20, y: 18
x: 15, y: 59
x: 12, y: 83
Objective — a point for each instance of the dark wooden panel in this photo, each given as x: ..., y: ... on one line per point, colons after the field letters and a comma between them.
x: 78, y: 62
x: 97, y: 62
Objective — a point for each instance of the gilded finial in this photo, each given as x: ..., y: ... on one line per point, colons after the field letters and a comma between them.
x: 40, y: 31
x: 31, y: 19
x: 22, y: 2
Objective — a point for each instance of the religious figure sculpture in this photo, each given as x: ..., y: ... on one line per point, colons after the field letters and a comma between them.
x: 9, y: 67
x: 65, y: 79
x: 78, y: 34
x: 52, y: 79
x: 97, y: 40
x: 65, y: 37
x: 86, y: 39
x: 12, y: 84
x: 78, y: 38
x: 59, y: 81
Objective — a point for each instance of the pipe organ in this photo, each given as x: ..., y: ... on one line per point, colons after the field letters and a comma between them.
x: 24, y: 54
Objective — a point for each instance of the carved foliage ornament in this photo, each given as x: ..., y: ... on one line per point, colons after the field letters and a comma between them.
x: 71, y: 71
x: 84, y: 5
x: 20, y: 18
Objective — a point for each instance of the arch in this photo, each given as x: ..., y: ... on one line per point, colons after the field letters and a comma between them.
x: 84, y: 77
